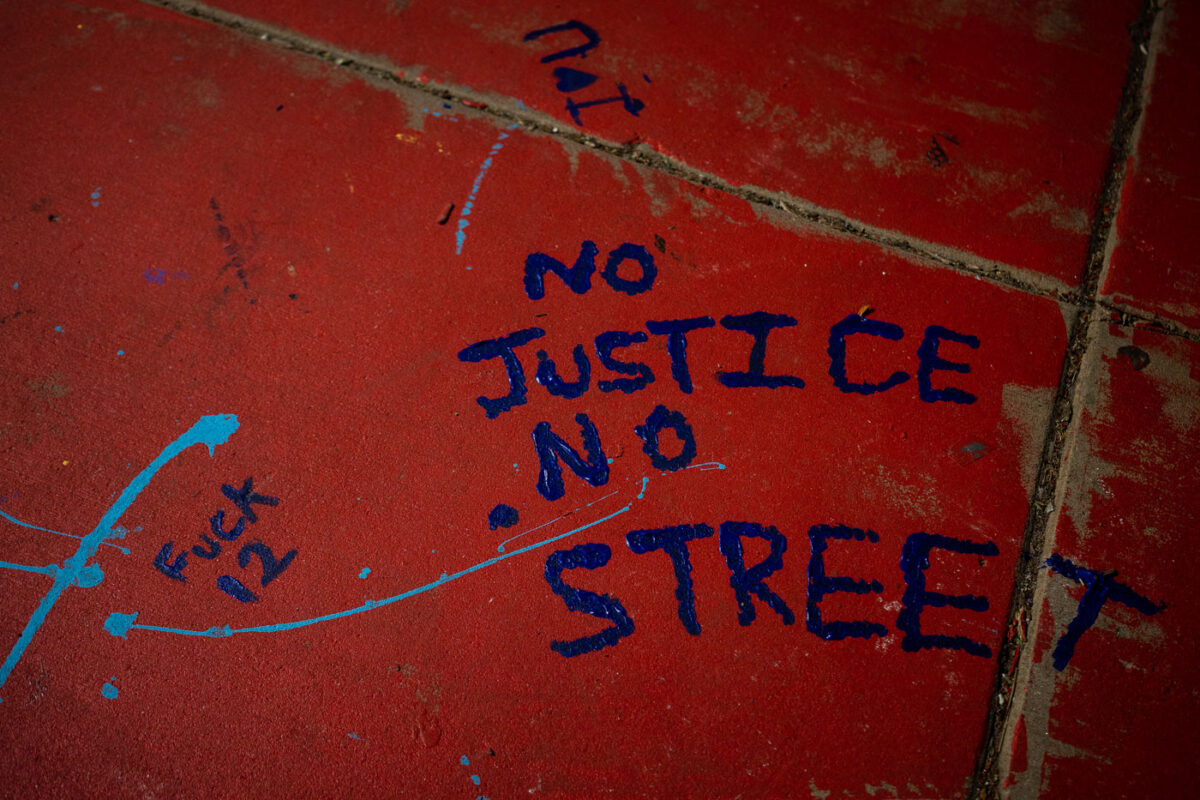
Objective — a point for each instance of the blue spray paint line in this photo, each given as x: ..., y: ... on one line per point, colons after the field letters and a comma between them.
x: 642, y: 493
x: 500, y: 547
x: 460, y: 235
x: 16, y: 521
x: 119, y: 624
x: 110, y: 691
x: 49, y: 569
x: 211, y: 431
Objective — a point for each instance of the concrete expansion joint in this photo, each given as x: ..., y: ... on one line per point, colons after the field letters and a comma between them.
x: 1015, y: 658
x: 385, y: 75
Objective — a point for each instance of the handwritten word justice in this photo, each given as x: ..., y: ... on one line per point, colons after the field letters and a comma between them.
x: 633, y: 376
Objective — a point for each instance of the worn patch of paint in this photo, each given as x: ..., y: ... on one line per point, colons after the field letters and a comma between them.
x: 210, y: 430
x: 110, y: 691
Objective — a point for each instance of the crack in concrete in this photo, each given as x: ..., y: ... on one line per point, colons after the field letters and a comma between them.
x: 376, y: 71
x: 1015, y: 659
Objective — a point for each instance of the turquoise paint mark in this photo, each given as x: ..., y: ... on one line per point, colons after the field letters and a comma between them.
x: 466, y: 762
x: 120, y: 352
x: 91, y: 575
x: 460, y: 235
x: 707, y: 466
x: 500, y: 547
x: 354, y: 736
x: 110, y: 691
x: 58, y: 328
x: 16, y: 285
x: 118, y: 533
x: 475, y: 779
x: 642, y: 493
x: 365, y: 572
x: 211, y: 431
x: 118, y: 624
x: 49, y: 569
x: 96, y: 197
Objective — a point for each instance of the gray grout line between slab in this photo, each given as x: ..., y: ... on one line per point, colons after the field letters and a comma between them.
x: 1014, y: 657
x: 381, y: 73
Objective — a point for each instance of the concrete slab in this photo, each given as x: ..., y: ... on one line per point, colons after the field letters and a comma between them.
x: 409, y: 572
x: 1154, y: 266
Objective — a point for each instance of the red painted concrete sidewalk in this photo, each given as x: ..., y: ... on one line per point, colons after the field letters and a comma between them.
x: 387, y: 414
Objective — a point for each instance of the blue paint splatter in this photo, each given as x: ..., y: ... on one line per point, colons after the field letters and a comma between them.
x: 49, y: 569
x: 354, y: 736
x: 475, y: 779
x: 16, y: 285
x: 503, y: 516
x: 58, y: 328
x: 96, y: 197
x: 210, y: 431
x: 460, y: 235
x: 118, y: 624
x: 110, y: 691
x: 466, y: 762
x: 365, y: 572
x: 120, y: 352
